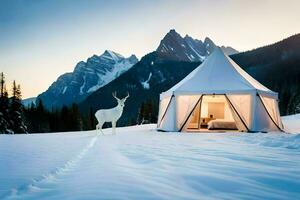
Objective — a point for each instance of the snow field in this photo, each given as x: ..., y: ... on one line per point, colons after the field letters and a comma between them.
x: 140, y: 163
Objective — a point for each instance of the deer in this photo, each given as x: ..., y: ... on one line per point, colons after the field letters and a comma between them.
x: 111, y: 115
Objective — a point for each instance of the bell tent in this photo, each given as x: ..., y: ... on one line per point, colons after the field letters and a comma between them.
x: 219, y: 95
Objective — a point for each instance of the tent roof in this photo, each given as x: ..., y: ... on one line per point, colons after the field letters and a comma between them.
x: 218, y: 74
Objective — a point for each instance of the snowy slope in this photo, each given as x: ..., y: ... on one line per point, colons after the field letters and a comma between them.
x: 27, y: 102
x: 140, y: 163
x: 86, y: 78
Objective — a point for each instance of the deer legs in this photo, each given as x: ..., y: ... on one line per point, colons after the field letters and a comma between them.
x: 113, y: 124
x: 99, y: 126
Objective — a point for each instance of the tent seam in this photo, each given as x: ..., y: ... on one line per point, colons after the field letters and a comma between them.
x: 165, y: 111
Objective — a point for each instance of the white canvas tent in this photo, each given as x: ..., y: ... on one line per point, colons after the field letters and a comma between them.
x: 219, y: 90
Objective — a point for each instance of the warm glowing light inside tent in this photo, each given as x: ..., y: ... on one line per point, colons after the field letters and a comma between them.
x: 211, y: 107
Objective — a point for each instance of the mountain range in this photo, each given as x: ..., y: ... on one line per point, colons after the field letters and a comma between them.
x: 98, y: 71
x: 144, y: 82
x: 277, y: 66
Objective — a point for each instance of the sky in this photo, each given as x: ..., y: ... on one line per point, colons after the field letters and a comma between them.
x: 42, y: 39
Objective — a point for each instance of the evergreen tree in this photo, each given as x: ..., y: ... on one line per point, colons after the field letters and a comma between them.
x: 131, y: 122
x: 65, y: 117
x: 154, y: 111
x: 16, y: 110
x: 141, y: 114
x: 29, y: 118
x: 75, y: 118
x: 147, y: 112
x: 4, y: 106
x: 54, y: 120
x: 92, y: 121
x: 42, y: 118
x: 2, y: 84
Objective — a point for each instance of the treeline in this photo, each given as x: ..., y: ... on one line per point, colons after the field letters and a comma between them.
x: 39, y: 120
x: 15, y: 118
x: 11, y: 109
x: 148, y: 112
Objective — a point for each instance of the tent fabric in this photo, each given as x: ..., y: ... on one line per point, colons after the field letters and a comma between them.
x: 271, y: 107
x: 242, y: 104
x: 239, y: 121
x: 168, y: 122
x: 253, y: 107
x: 187, y: 116
x: 218, y: 74
x: 185, y: 105
x: 262, y: 121
x: 164, y: 104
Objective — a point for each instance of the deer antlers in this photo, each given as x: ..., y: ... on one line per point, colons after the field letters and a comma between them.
x: 114, y: 94
x: 126, y: 96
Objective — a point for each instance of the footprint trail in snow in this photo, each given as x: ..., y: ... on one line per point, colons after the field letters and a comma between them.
x: 47, y: 181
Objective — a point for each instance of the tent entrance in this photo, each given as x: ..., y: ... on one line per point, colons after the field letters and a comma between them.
x: 212, y: 112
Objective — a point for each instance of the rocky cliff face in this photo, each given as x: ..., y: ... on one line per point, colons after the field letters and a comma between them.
x: 175, y: 47
x: 86, y: 78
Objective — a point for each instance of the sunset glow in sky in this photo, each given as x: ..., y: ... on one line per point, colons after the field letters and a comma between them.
x: 40, y: 40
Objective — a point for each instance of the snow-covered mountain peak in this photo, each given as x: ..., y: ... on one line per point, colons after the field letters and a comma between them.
x: 229, y: 50
x: 112, y: 56
x: 173, y: 32
x: 187, y: 37
x: 87, y: 77
x: 207, y: 40
x: 80, y: 64
x: 209, y: 45
x: 175, y: 47
x: 133, y: 59
x: 94, y: 58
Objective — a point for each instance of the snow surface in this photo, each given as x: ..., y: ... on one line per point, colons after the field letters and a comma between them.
x: 64, y: 90
x: 199, y: 56
x: 291, y: 123
x: 140, y: 163
x: 82, y: 86
x: 112, y: 56
x: 104, y: 79
x: 145, y: 83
